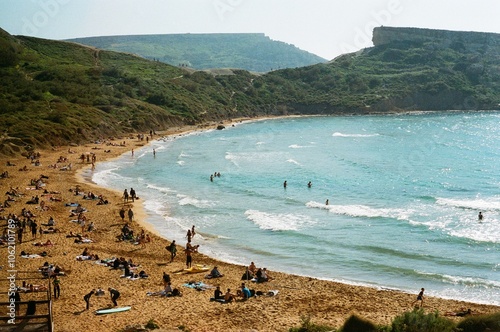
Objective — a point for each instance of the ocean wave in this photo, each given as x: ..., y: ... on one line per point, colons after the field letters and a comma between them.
x: 187, y: 200
x: 337, y: 134
x: 296, y: 146
x: 461, y: 280
x: 252, y: 157
x: 108, y: 177
x: 364, y: 211
x: 278, y: 221
x: 293, y: 162
x: 473, y: 204
x: 160, y: 189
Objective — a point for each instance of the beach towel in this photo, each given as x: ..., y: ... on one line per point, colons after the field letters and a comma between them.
x: 199, y: 285
x: 83, y: 258
x: 31, y: 256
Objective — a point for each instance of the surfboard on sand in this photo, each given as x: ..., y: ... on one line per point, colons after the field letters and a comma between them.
x: 111, y: 310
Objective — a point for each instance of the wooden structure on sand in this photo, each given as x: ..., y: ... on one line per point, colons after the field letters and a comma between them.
x: 35, y: 308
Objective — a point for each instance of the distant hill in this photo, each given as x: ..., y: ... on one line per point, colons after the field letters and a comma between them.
x: 54, y: 93
x: 249, y: 51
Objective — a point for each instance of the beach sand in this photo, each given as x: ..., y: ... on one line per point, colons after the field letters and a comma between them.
x: 325, y: 302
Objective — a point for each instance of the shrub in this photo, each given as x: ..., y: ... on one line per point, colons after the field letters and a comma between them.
x: 418, y: 321
x: 307, y: 326
x: 480, y: 323
x: 357, y: 324
x: 152, y: 325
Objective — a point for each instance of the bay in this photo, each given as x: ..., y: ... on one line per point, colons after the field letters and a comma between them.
x: 404, y: 192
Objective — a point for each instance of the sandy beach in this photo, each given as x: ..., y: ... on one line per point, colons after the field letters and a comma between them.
x: 325, y: 302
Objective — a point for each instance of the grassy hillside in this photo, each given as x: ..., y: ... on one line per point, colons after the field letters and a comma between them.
x: 397, y: 76
x: 249, y: 51
x: 54, y: 92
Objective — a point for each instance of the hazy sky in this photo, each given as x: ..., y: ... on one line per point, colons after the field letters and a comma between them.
x: 327, y: 28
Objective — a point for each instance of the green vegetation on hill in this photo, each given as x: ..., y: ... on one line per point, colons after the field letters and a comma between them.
x: 54, y: 92
x: 249, y: 51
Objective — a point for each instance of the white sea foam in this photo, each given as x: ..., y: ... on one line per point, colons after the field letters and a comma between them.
x: 364, y: 211
x: 160, y: 189
x: 107, y: 177
x: 291, y: 161
x: 337, y: 134
x: 296, y: 146
x: 475, y: 204
x: 187, y: 200
x: 278, y: 222
x: 239, y: 158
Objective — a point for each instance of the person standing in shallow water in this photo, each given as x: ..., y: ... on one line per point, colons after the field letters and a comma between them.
x: 284, y: 184
x: 480, y: 216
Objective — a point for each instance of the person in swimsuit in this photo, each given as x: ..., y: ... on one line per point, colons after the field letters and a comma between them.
x: 420, y: 297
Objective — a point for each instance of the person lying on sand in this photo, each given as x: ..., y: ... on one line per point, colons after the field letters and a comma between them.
x: 44, y: 244
x: 460, y: 313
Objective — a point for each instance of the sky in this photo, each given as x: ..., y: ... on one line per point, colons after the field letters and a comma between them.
x: 327, y: 28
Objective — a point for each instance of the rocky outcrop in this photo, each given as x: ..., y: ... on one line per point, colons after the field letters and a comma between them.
x: 468, y: 41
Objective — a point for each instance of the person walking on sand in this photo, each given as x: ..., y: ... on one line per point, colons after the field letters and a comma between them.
x: 132, y: 194
x: 114, y: 295
x: 130, y: 215
x: 189, y: 258
x: 87, y: 298
x: 125, y: 196
x: 57, y: 287
x: 122, y: 214
x: 420, y: 297
x: 173, y: 251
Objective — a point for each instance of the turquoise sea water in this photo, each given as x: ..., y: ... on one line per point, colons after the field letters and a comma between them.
x: 404, y: 194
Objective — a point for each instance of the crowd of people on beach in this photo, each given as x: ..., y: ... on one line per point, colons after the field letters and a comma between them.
x: 255, y: 281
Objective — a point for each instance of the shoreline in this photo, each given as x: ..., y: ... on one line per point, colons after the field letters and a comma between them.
x: 326, y: 302
x: 182, y: 131
x: 152, y: 228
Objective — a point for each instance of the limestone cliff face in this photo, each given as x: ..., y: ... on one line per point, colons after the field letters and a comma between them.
x: 482, y: 42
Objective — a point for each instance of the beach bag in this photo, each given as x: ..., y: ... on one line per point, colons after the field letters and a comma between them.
x: 175, y: 292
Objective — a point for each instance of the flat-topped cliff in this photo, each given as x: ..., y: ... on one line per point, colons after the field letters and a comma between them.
x: 482, y: 42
